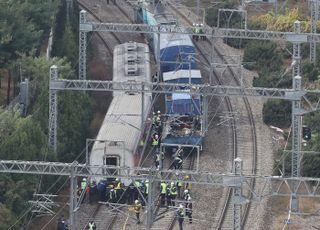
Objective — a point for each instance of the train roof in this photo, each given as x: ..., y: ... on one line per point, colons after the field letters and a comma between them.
x: 181, y: 73
x: 121, y: 124
x: 131, y: 62
x: 173, y: 39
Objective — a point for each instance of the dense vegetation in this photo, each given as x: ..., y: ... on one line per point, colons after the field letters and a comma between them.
x: 24, y: 25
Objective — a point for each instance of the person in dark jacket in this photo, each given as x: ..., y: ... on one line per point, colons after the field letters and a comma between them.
x: 189, y: 209
x: 62, y: 225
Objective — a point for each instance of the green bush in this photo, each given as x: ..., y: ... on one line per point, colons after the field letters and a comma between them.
x: 277, y: 113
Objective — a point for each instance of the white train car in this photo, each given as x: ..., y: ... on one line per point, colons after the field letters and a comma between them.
x: 117, y: 141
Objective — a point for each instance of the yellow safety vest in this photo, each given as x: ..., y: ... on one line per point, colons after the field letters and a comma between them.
x: 83, y: 185
x: 118, y: 185
x: 155, y: 142
x: 173, y: 190
x: 163, y: 188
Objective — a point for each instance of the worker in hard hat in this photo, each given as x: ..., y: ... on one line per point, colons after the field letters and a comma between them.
x: 173, y: 193
x: 193, y: 31
x: 155, y: 141
x: 180, y: 216
x: 137, y: 209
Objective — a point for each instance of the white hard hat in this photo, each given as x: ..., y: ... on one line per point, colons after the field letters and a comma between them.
x: 180, y: 206
x: 156, y: 136
x: 186, y: 191
x: 84, y: 179
x: 172, y: 183
x: 117, y: 179
x: 158, y: 111
x: 136, y: 201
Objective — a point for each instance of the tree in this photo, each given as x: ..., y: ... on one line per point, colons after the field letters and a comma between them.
x: 277, y: 113
x: 74, y: 108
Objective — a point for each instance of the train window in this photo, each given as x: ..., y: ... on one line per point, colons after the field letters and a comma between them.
x: 111, y: 161
x: 131, y: 46
x: 131, y: 58
x: 131, y: 70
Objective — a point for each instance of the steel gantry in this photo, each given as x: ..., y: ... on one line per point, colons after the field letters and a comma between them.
x: 271, y: 185
x: 147, y: 87
x: 85, y: 26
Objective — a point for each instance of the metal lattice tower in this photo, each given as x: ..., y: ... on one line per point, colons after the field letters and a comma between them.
x: 314, y: 8
x: 296, y: 114
x: 296, y: 106
x: 53, y: 112
x: 82, y: 46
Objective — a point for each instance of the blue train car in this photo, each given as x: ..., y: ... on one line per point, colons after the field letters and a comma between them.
x: 183, y: 125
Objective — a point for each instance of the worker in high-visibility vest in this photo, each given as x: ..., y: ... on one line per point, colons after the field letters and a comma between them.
x: 177, y: 162
x: 173, y: 193
x: 83, y: 184
x: 197, y: 32
x: 163, y: 192
x: 193, y: 31
x: 155, y: 141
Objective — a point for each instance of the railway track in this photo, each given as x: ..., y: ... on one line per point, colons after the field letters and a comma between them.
x: 111, y: 39
x: 109, y: 45
x: 246, y: 209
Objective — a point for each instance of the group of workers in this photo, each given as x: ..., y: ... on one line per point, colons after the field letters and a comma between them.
x: 136, y: 193
x: 198, y: 29
x: 172, y: 193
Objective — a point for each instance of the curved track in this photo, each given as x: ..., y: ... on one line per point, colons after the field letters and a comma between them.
x: 235, y: 137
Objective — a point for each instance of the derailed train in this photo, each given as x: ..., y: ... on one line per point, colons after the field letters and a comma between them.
x: 183, y: 124
x: 117, y: 141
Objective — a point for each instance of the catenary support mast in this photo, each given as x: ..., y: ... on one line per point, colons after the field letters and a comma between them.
x: 53, y: 111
